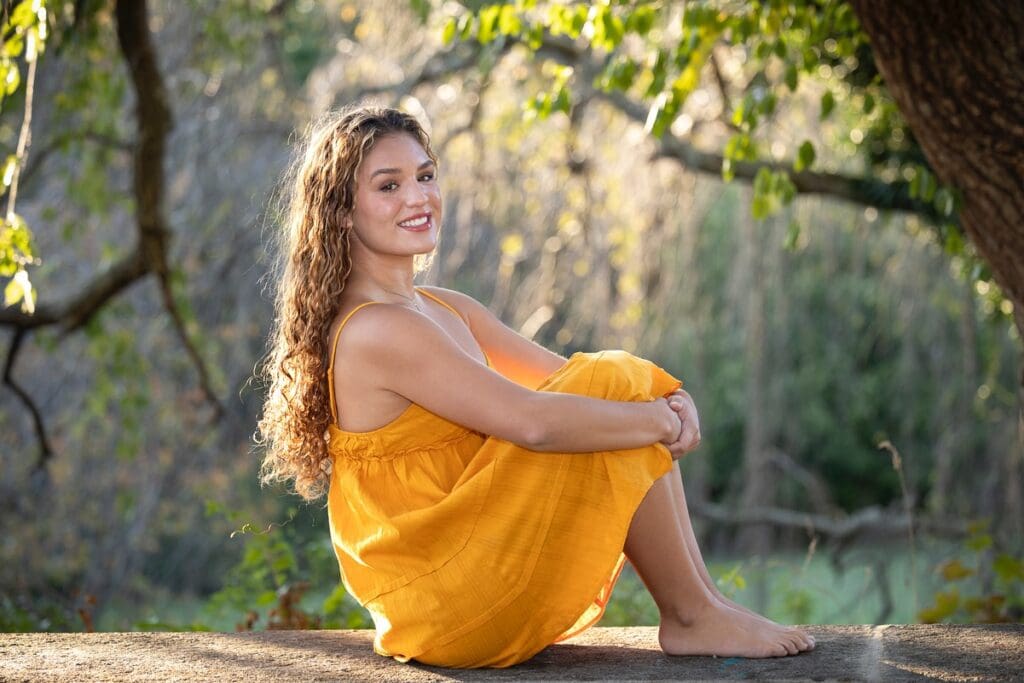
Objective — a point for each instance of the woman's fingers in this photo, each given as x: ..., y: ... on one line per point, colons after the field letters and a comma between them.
x: 687, y: 409
x: 689, y: 437
x: 689, y: 433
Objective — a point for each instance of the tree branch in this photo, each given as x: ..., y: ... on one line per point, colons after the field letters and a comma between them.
x: 190, y: 348
x: 72, y: 313
x: 43, y: 152
x: 867, y: 191
x: 153, y: 116
x: 439, y: 65
x: 45, y: 452
x: 870, y: 520
x: 153, y: 121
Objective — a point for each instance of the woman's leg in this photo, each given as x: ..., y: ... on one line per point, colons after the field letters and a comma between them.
x: 693, y: 620
x: 683, y: 516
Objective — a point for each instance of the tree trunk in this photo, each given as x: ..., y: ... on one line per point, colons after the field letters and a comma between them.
x: 955, y: 72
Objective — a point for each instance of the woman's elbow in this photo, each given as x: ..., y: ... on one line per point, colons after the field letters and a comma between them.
x: 536, y: 431
x: 536, y: 438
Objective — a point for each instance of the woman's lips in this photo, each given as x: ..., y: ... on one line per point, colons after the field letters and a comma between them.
x: 425, y: 225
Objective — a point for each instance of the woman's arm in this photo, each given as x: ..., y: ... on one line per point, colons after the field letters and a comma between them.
x: 513, y: 355
x: 413, y: 357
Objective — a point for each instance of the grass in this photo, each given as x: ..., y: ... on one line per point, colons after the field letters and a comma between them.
x: 796, y: 589
x: 787, y: 587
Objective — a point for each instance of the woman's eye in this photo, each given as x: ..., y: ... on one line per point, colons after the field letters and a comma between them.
x: 389, y: 187
x: 427, y: 177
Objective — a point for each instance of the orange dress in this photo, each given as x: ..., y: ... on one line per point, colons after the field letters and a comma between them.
x: 471, y: 551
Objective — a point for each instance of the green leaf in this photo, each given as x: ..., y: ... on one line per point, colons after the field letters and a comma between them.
x: 760, y: 207
x: 763, y: 180
x: 954, y: 242
x: 792, y: 236
x: 946, y: 604
x: 24, y: 15
x: 928, y: 185
x: 828, y: 103
x: 804, y: 156
x: 741, y: 147
x: 334, y: 601
x: 422, y: 9
x: 791, y: 77
x: 508, y: 21
x: 10, y: 166
x: 1008, y: 568
x: 739, y: 114
x: 954, y: 570
x: 979, y: 542
x: 608, y: 29
x: 448, y: 32
x: 488, y: 23
x: 466, y: 27
x: 641, y: 20
x: 19, y: 289
x: 945, y: 201
x: 12, y: 79
x: 728, y: 173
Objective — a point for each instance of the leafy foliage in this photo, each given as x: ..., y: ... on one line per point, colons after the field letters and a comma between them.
x: 658, y: 53
x: 988, y: 588
x: 270, y: 582
x: 24, y: 31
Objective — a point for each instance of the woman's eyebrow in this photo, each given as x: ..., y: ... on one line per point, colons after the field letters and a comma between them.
x: 382, y: 171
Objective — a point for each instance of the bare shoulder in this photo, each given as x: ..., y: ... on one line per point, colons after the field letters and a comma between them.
x: 369, y: 326
x: 463, y: 303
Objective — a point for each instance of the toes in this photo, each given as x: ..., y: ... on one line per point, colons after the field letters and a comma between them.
x: 802, y: 639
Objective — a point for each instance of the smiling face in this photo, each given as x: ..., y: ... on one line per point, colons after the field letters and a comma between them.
x: 397, y: 205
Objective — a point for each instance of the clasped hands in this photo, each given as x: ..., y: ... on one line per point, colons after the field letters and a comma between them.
x: 689, y: 424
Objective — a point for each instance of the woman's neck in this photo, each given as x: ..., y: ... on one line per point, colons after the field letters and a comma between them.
x: 383, y: 283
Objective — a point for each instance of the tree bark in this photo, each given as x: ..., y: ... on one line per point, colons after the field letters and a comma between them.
x: 955, y: 72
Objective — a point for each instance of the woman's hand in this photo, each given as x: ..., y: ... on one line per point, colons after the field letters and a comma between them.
x: 689, y: 433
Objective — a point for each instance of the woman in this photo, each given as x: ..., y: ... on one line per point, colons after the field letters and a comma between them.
x: 481, y: 489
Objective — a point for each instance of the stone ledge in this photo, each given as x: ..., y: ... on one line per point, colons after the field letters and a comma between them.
x: 883, y: 653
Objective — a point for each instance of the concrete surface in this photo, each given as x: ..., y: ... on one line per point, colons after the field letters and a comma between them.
x: 863, y: 653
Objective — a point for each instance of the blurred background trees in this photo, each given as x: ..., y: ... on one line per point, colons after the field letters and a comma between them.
x: 822, y: 303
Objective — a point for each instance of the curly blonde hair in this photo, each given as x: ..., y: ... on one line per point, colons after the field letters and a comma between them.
x: 314, y: 264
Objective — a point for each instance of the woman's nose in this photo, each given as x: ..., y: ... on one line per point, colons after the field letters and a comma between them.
x: 416, y: 195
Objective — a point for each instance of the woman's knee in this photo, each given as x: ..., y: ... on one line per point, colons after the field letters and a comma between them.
x: 614, y: 374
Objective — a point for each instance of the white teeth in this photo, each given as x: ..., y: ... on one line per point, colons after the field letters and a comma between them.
x: 415, y: 222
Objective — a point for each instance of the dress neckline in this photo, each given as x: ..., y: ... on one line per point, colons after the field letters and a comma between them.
x: 335, y: 425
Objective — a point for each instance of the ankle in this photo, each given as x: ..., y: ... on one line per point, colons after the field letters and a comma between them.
x: 688, y: 614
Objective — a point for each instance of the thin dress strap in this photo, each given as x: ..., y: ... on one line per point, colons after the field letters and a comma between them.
x: 334, y: 350
x: 442, y: 302
x: 456, y: 312
x: 337, y: 335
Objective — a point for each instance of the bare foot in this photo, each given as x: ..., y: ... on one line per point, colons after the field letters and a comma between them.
x: 716, y: 629
x: 805, y: 641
